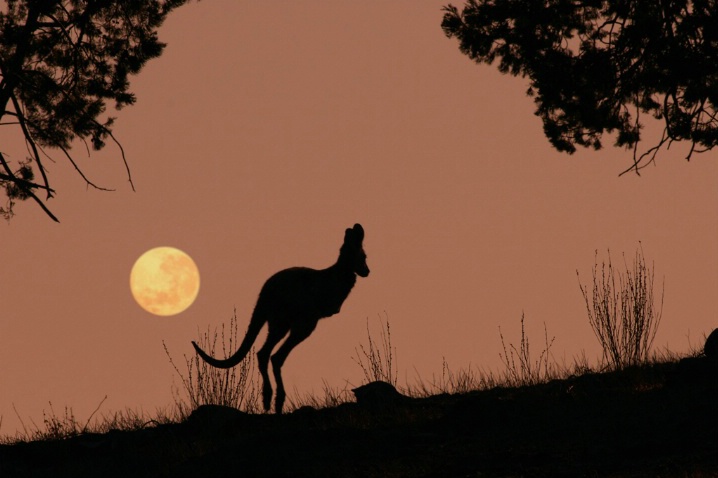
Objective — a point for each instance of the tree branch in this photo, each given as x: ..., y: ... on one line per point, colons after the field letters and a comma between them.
x: 28, y: 186
x: 122, y: 152
x: 31, y: 142
x: 79, y: 171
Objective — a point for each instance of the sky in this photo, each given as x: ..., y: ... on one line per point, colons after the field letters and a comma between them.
x: 262, y: 133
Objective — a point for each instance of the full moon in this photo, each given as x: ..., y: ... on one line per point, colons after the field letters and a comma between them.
x: 164, y: 281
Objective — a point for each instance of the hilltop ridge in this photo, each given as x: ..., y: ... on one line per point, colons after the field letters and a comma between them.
x: 658, y: 419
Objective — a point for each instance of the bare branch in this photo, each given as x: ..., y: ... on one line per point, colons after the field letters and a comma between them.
x: 122, y: 152
x: 79, y: 171
x: 42, y: 205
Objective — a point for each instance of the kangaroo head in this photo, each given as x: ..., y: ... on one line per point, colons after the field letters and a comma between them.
x: 353, y: 252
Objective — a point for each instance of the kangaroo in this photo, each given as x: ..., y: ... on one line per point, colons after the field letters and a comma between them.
x: 291, y: 302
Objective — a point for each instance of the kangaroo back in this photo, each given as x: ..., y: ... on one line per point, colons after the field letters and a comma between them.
x: 255, y: 325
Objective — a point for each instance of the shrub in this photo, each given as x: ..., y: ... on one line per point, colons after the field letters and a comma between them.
x: 623, y: 316
x: 377, y: 358
x: 206, y: 385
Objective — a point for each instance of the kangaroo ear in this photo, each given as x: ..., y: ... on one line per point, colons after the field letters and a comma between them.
x: 355, y: 234
x: 359, y: 232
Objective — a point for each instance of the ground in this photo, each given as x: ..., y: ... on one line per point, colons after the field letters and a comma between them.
x: 655, y: 420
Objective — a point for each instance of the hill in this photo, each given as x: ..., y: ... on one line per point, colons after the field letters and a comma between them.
x: 653, y: 420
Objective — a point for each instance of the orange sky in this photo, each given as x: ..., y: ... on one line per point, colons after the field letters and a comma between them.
x: 264, y: 131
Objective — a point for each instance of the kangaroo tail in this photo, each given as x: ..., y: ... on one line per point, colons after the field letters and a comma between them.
x: 255, y: 325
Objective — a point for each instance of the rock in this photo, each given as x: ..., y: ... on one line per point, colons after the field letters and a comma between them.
x: 305, y: 411
x: 378, y: 394
x: 711, y: 347
x: 214, y: 416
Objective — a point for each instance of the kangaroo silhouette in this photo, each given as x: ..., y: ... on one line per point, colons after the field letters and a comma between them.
x: 292, y: 301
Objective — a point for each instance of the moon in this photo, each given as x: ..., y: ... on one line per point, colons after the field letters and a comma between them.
x: 164, y: 281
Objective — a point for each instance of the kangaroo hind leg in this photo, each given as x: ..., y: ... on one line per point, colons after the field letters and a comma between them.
x: 296, y: 335
x: 273, y: 337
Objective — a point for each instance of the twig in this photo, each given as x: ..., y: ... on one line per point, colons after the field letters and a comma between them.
x: 84, y: 429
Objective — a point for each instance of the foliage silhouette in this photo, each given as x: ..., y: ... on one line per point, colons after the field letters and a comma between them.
x: 60, y: 62
x: 596, y: 66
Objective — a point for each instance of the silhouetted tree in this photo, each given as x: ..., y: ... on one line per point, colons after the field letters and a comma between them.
x: 60, y: 62
x: 596, y: 65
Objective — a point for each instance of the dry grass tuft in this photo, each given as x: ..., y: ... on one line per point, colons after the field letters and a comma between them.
x: 206, y: 385
x: 377, y: 359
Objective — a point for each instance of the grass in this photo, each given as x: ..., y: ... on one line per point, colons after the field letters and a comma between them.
x: 66, y: 425
x: 521, y: 368
x: 644, y: 420
x: 377, y: 359
x: 238, y: 387
x: 60, y: 426
x: 637, y: 421
x: 329, y: 398
x: 459, y: 381
x: 203, y: 384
